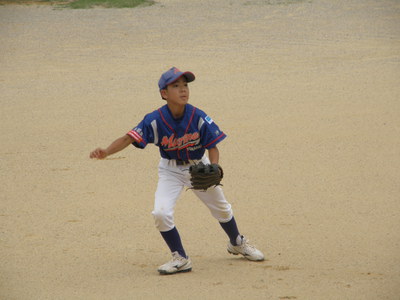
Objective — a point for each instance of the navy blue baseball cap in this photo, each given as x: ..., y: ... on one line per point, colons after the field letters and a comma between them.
x: 172, y: 75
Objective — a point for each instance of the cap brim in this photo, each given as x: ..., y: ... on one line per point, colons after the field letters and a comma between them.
x: 188, y: 75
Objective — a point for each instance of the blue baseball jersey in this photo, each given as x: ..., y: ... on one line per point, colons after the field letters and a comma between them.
x: 185, y: 138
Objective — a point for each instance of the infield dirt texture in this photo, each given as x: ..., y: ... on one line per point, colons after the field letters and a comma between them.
x: 308, y: 93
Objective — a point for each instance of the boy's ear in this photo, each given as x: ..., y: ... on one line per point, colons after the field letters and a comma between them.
x: 164, y: 94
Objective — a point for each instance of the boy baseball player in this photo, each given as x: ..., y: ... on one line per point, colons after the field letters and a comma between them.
x: 183, y: 133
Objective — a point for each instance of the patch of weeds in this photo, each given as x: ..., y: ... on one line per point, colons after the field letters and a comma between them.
x: 79, y: 4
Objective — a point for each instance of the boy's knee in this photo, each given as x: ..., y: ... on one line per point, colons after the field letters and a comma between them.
x: 164, y: 221
x: 225, y: 216
x: 224, y: 213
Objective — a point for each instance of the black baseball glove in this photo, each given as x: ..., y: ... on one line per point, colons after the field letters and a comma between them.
x: 205, y: 176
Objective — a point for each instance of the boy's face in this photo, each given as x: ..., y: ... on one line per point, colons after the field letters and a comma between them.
x: 177, y: 92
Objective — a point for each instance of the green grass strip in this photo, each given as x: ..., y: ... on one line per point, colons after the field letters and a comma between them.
x: 79, y: 4
x: 82, y: 4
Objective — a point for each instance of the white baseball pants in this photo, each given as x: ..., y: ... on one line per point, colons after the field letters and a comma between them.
x: 172, y: 180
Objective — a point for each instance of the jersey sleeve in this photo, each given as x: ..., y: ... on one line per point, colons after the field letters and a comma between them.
x: 143, y: 133
x: 210, y: 134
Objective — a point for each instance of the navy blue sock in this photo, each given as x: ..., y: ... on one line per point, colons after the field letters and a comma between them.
x: 173, y: 241
x: 231, y: 230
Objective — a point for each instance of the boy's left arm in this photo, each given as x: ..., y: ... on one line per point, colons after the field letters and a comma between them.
x: 213, y: 155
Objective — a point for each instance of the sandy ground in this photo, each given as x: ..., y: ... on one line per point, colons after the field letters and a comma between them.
x: 308, y: 93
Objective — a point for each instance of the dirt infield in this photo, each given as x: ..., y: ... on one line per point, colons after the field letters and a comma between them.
x: 308, y: 93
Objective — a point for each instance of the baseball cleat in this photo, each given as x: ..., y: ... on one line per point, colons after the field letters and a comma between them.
x: 244, y: 248
x: 176, y: 264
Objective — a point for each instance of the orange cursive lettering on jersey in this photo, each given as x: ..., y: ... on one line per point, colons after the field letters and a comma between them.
x: 173, y: 143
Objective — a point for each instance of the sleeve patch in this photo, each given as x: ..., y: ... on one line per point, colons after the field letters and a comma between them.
x: 208, y: 119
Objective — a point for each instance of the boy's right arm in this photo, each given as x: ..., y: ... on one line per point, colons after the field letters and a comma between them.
x: 116, y: 146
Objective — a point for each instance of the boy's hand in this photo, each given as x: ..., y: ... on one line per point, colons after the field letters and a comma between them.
x: 116, y: 146
x: 99, y: 153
